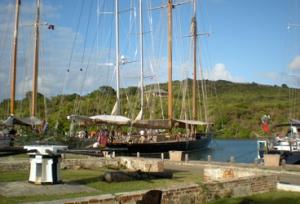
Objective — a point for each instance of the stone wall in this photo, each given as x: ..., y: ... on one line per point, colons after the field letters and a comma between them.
x: 226, y: 173
x: 132, y: 163
x: 189, y: 193
x: 240, y: 187
x: 89, y: 163
x: 12, y: 165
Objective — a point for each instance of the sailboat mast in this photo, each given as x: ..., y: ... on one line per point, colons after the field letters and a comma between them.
x: 14, y: 61
x: 170, y: 94
x: 141, y: 57
x: 35, y: 61
x: 194, y: 34
x: 117, y: 54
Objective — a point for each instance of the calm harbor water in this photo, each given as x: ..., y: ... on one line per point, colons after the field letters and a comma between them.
x: 244, y: 151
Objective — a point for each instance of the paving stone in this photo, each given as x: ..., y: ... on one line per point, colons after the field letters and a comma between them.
x: 23, y: 188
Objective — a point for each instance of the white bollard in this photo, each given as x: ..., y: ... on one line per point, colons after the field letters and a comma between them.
x: 162, y: 156
x: 209, y: 158
x: 186, y: 157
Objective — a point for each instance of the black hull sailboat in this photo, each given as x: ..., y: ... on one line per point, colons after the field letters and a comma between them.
x: 165, y: 146
x: 167, y: 139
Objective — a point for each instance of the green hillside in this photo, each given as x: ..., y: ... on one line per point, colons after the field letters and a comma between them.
x: 235, y: 108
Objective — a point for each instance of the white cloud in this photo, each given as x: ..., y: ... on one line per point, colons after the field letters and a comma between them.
x: 295, y: 63
x: 274, y: 76
x: 218, y: 72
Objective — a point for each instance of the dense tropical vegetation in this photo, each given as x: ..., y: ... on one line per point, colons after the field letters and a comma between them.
x: 235, y: 108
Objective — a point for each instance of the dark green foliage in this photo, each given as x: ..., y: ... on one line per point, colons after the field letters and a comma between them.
x: 107, y: 90
x: 235, y: 108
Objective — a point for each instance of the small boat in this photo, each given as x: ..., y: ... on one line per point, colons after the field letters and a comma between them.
x: 287, y: 145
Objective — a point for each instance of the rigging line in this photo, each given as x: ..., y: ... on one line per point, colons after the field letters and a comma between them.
x: 107, y: 38
x: 203, y: 87
x: 86, y: 34
x: 27, y: 67
x: 131, y: 27
x: 43, y: 70
x: 86, y: 69
x: 294, y: 103
x: 75, y: 37
x: 179, y: 18
x: 77, y: 101
x: 108, y: 73
x: 4, y: 45
x: 128, y: 35
x: 290, y: 106
x: 4, y: 41
x: 97, y: 23
x: 66, y: 75
x: 153, y: 60
x: 202, y: 8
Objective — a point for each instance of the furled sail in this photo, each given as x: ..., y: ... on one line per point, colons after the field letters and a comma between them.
x: 140, y: 115
x: 116, y: 109
x: 30, y: 121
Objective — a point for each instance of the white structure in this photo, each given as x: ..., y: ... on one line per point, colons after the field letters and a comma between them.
x: 45, y: 163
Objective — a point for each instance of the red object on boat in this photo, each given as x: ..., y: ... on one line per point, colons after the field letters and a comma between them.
x: 265, y: 127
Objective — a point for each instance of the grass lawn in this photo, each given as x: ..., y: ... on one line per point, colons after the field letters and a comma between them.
x: 93, y: 179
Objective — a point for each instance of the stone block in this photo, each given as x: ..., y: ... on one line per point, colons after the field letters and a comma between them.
x: 142, y: 164
x: 175, y: 155
x: 271, y: 160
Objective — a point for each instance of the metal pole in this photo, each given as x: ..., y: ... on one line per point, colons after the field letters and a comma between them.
x: 35, y: 61
x: 117, y: 54
x: 14, y: 61
x: 141, y: 57
x: 194, y: 33
x: 170, y: 94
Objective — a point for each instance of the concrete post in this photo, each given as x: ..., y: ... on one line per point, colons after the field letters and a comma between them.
x: 283, y: 163
x: 186, y: 157
x: 231, y: 160
x: 209, y: 158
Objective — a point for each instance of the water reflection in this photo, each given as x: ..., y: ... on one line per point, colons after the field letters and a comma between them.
x: 244, y: 151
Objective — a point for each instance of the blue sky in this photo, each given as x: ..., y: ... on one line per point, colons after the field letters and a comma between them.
x: 249, y: 42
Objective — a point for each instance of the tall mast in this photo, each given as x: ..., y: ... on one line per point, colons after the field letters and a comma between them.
x: 116, y: 108
x: 117, y: 55
x: 170, y: 94
x: 194, y: 34
x: 14, y: 61
x: 141, y: 58
x: 35, y: 61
